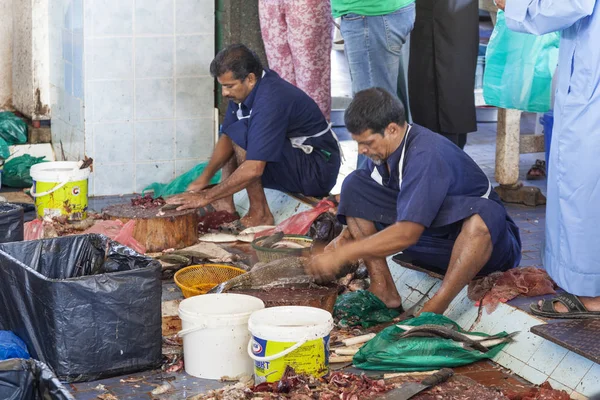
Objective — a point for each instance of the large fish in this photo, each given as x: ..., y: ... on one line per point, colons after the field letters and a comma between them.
x: 277, y: 273
x: 481, y: 343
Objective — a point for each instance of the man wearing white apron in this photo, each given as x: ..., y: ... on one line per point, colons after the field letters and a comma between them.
x: 273, y: 136
x: 421, y: 195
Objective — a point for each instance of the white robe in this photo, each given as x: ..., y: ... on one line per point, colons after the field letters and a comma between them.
x: 572, y: 255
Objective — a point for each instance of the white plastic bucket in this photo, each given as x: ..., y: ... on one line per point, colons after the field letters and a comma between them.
x: 295, y: 336
x: 60, y: 188
x: 215, y: 334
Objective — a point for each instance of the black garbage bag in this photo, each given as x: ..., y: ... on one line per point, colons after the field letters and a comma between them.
x: 325, y: 228
x: 87, y: 306
x: 11, y: 223
x: 30, y: 380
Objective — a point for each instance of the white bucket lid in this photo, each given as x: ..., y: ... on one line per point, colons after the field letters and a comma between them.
x: 58, y: 171
x: 290, y: 323
x: 217, y: 310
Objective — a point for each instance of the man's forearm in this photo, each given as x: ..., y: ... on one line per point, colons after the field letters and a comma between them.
x: 243, y: 176
x: 393, y: 239
x: 222, y: 153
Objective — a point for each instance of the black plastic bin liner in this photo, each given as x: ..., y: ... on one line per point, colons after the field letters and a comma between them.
x: 11, y: 223
x: 88, y: 307
x: 30, y: 380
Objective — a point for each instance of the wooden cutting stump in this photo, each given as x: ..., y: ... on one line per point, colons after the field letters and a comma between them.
x: 158, y: 231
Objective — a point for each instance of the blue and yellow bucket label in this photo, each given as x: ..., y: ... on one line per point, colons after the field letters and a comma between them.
x: 312, y: 358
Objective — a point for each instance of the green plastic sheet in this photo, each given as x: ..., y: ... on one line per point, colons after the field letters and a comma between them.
x: 519, y: 68
x: 180, y: 184
x: 387, y: 353
x: 362, y: 308
x: 4, y: 151
x: 12, y: 128
x: 16, y: 171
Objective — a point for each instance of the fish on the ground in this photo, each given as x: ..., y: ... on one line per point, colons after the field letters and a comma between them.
x: 281, y: 272
x: 226, y: 238
x: 269, y: 241
x: 467, y: 341
x: 288, y: 244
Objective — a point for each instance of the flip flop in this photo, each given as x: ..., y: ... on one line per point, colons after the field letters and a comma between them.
x: 575, y: 308
x: 540, y: 166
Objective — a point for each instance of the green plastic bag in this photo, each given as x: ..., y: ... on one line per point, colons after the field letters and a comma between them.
x: 362, y: 308
x: 180, y: 184
x: 386, y: 353
x: 12, y: 129
x: 16, y: 171
x: 519, y: 68
x: 4, y: 151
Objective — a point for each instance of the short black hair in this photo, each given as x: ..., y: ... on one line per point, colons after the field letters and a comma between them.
x: 375, y: 109
x: 237, y: 59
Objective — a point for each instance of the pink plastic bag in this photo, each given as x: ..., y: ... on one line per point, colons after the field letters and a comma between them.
x: 33, y: 230
x: 118, y: 232
x: 299, y: 224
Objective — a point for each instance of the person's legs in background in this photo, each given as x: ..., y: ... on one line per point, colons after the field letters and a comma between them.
x: 373, y: 47
x: 310, y: 38
x: 274, y: 30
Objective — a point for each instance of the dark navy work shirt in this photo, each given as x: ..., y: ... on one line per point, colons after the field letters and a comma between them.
x: 434, y: 171
x: 277, y: 111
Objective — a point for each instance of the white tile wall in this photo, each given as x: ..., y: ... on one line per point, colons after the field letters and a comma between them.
x: 154, y: 57
x: 154, y: 17
x: 114, y: 143
x: 193, y: 138
x: 191, y: 99
x: 155, y: 140
x: 147, y: 173
x: 194, y: 54
x: 154, y: 99
x: 116, y: 178
x: 130, y: 87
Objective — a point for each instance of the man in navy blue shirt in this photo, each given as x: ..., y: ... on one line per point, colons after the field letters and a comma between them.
x: 273, y: 136
x: 421, y: 195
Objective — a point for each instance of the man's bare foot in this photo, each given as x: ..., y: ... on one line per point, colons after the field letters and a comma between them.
x: 389, y: 295
x: 591, y: 303
x: 257, y: 219
x: 434, y: 305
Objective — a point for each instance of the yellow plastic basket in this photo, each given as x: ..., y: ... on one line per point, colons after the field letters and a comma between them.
x: 266, y: 255
x: 199, y: 279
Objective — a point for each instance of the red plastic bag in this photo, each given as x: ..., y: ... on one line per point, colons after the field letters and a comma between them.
x: 118, y: 232
x: 501, y: 287
x: 299, y: 224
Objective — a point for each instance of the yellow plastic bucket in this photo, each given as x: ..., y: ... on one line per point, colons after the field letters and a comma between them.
x: 295, y: 336
x: 60, y: 188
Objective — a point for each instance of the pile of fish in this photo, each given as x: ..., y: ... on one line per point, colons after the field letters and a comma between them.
x: 337, y: 385
x: 466, y: 341
x: 354, y: 278
x: 172, y: 354
x: 278, y: 241
x: 147, y: 202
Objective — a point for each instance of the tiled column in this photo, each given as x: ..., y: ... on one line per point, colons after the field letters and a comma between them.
x: 147, y: 93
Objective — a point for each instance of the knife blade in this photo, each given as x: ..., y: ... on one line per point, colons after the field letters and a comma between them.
x: 409, y: 389
x: 168, y: 207
x: 410, y: 313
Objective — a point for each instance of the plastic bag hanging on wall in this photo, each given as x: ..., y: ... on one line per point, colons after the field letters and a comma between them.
x: 519, y: 69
